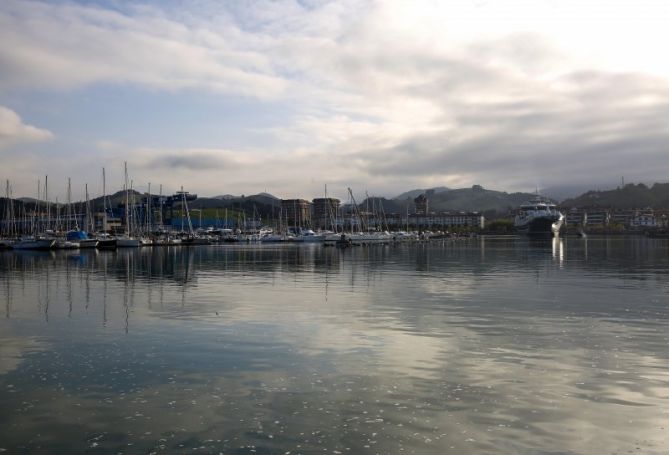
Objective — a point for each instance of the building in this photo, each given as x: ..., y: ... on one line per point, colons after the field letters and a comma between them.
x: 597, y: 216
x: 436, y: 221
x: 644, y: 219
x: 623, y: 217
x: 108, y: 222
x: 296, y: 212
x: 324, y: 212
x: 576, y: 217
x: 421, y: 205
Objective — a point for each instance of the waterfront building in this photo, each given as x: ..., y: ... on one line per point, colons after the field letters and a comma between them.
x: 107, y: 222
x: 598, y: 216
x: 644, y: 219
x: 296, y: 212
x: 421, y: 204
x: 436, y: 221
x: 324, y: 211
x: 623, y: 217
x: 576, y: 217
x: 662, y: 218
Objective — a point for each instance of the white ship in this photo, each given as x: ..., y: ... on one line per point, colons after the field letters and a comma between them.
x: 539, y: 218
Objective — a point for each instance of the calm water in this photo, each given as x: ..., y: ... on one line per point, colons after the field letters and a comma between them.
x: 485, y: 346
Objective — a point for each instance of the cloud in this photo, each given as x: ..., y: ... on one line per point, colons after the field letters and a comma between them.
x: 65, y: 46
x: 192, y: 160
x: 587, y: 129
x: 14, y: 131
x: 375, y: 95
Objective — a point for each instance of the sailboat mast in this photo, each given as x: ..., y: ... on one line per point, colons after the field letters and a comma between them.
x: 69, y: 204
x: 133, y: 210
x: 185, y: 204
x: 48, y: 206
x: 127, y: 202
x: 160, y: 211
x: 89, y: 218
x: 148, y: 211
x: 37, y: 207
x: 7, y: 224
x: 104, y: 191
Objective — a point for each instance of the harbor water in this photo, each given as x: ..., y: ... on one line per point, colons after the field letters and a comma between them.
x: 476, y: 346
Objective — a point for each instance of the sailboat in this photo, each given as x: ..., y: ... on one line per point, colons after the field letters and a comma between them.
x: 105, y: 241
x: 127, y: 241
x: 7, y: 240
x: 360, y: 232
x: 70, y: 241
x: 191, y: 238
x: 81, y: 236
x: 34, y: 241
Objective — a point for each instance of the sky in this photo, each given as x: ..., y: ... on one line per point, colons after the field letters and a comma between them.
x: 228, y: 97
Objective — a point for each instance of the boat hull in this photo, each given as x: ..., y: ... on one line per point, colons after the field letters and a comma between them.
x: 106, y: 244
x: 39, y: 244
x: 192, y: 241
x: 66, y: 245
x: 6, y: 244
x: 88, y: 243
x: 541, y: 227
x: 127, y: 243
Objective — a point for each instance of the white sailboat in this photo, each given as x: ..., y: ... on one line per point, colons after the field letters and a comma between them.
x: 34, y: 241
x: 68, y: 241
x: 126, y: 240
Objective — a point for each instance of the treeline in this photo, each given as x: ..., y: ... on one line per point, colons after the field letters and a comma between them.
x: 628, y: 197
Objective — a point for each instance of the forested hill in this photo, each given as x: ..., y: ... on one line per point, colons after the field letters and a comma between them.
x: 629, y: 197
x: 475, y: 198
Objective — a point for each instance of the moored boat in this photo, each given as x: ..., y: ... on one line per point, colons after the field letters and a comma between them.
x: 105, y: 241
x: 127, y: 242
x: 33, y: 243
x: 64, y: 244
x: 309, y: 236
x: 81, y: 238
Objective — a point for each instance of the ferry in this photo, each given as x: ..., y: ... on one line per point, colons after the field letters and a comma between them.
x: 539, y: 218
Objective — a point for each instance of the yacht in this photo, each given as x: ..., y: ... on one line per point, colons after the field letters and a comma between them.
x: 539, y: 218
x: 127, y: 242
x: 309, y: 236
x: 105, y: 241
x: 81, y: 238
x: 33, y: 243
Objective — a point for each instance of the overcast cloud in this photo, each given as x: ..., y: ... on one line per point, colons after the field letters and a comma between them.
x: 288, y: 96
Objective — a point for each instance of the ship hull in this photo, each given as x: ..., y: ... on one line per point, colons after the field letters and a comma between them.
x: 541, y: 227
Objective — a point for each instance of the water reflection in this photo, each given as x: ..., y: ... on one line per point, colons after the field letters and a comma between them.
x: 478, y: 346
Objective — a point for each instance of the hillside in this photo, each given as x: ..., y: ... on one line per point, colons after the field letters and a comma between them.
x: 263, y: 204
x: 475, y: 198
x: 629, y: 197
x: 415, y: 193
x: 387, y: 205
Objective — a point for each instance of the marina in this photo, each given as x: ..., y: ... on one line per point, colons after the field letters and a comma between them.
x: 334, y: 227
x: 146, y: 220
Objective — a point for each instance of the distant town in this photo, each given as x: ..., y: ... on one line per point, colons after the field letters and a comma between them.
x: 632, y: 208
